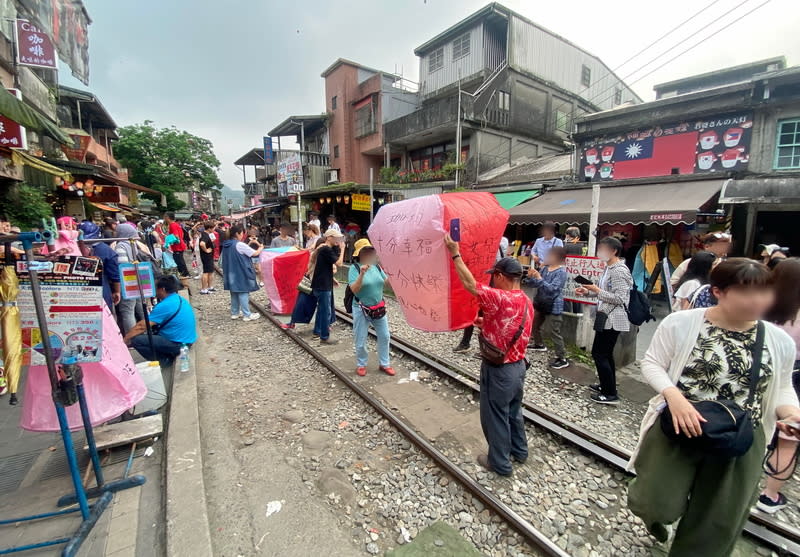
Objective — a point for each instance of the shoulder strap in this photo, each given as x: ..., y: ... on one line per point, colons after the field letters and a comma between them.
x: 755, y: 368
x: 518, y: 334
x: 174, y: 315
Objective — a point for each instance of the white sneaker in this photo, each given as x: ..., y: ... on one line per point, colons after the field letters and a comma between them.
x: 235, y: 316
x: 252, y: 317
x: 204, y: 291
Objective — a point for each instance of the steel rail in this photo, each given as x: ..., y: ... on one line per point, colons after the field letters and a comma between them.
x: 778, y: 535
x: 525, y: 528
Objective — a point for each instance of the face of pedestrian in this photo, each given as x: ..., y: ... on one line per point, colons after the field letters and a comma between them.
x: 368, y: 256
x: 5, y: 227
x: 504, y: 282
x: 548, y: 232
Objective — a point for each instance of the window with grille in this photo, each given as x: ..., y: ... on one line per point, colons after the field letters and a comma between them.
x: 561, y: 121
x: 586, y: 76
x: 461, y: 46
x: 503, y: 100
x: 787, y: 155
x: 365, y: 120
x: 333, y: 102
x: 436, y: 59
x: 617, y: 96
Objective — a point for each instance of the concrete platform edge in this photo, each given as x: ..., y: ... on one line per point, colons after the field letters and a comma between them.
x: 186, y: 511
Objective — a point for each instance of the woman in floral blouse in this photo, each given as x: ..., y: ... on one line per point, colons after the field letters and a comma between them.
x: 707, y: 354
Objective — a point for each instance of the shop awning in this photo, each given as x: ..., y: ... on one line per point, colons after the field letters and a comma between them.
x: 247, y: 213
x: 674, y: 202
x: 761, y: 190
x: 14, y: 109
x: 104, y: 207
x: 510, y: 199
x: 23, y: 158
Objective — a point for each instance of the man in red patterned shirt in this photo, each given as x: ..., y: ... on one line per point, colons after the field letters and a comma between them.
x: 506, y: 323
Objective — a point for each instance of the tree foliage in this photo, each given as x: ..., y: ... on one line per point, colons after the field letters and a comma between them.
x: 25, y: 205
x: 168, y: 160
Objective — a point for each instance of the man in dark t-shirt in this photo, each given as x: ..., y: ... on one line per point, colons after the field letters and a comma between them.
x: 328, y: 254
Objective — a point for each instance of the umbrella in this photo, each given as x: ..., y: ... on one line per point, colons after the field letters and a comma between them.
x: 10, y: 327
x: 409, y: 238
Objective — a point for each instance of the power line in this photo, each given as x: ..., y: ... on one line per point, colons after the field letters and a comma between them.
x: 681, y: 53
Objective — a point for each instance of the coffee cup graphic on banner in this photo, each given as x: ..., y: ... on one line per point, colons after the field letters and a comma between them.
x: 705, y: 160
x: 708, y: 140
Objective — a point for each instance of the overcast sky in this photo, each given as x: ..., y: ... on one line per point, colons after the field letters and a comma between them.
x: 230, y: 71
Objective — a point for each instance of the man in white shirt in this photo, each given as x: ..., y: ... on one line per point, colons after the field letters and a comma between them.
x: 315, y: 219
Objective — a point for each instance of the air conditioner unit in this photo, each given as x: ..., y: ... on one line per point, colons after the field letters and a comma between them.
x: 333, y: 176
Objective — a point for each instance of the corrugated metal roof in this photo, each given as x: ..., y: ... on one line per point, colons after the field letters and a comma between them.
x: 545, y: 168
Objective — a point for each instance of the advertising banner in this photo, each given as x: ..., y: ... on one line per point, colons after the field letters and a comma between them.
x: 715, y: 144
x: 34, y: 47
x: 360, y: 201
x: 290, y: 174
x: 588, y: 267
x: 76, y: 150
x: 130, y: 286
x: 72, y: 293
x: 11, y: 133
x: 269, y: 155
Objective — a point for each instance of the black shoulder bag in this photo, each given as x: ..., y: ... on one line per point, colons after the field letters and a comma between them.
x: 156, y: 327
x: 494, y: 355
x: 728, y: 430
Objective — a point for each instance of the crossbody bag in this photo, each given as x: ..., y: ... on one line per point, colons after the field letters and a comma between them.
x: 494, y: 355
x: 728, y: 429
x: 156, y: 327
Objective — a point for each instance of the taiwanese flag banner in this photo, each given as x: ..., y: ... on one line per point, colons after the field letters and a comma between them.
x: 282, y: 269
x: 409, y: 238
x: 717, y: 144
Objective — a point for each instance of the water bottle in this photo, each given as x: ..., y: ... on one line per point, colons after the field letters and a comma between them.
x: 184, y: 358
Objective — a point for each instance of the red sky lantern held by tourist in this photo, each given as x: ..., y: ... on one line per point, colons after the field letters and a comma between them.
x: 409, y: 238
x: 282, y: 269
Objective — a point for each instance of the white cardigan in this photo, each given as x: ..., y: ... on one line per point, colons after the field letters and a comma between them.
x: 669, y: 352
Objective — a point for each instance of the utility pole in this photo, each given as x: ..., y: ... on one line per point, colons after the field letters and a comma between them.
x: 586, y: 324
x: 458, y: 132
x: 371, y: 199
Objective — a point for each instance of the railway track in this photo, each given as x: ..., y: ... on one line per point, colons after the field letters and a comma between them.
x: 760, y: 526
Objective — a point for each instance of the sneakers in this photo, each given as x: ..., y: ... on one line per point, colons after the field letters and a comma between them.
x: 252, y: 317
x: 518, y: 459
x: 237, y: 316
x: 204, y: 291
x: 767, y: 505
x: 212, y: 289
x: 604, y: 399
x: 361, y: 371
x: 559, y: 363
x: 461, y: 348
x: 663, y: 533
x: 538, y: 348
x: 287, y: 326
x: 595, y: 387
x: 388, y: 370
x: 328, y: 341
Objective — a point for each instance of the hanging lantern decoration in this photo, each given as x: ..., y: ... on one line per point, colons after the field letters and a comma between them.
x: 338, y: 199
x: 346, y: 199
x: 328, y: 200
x: 381, y: 200
x: 321, y: 200
x: 98, y: 189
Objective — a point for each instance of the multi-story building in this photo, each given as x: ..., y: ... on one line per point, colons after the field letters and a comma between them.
x: 515, y: 87
x: 715, y: 152
x: 360, y: 101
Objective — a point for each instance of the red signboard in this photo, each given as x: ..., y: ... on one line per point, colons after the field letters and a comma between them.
x: 34, y: 47
x: 76, y: 150
x: 714, y: 144
x: 12, y: 134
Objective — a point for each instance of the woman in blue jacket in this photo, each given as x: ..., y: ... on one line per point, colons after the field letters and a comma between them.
x: 239, y: 278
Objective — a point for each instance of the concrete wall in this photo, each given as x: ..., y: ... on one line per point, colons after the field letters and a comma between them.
x: 765, y: 135
x: 452, y: 70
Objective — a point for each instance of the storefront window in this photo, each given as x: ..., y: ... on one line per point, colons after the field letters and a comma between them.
x: 787, y: 154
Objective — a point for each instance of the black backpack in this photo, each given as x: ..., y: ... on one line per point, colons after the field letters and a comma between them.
x: 349, y: 296
x: 638, y: 308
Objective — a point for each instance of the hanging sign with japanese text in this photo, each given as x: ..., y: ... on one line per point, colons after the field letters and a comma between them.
x: 361, y: 202
x: 715, y: 144
x: 590, y: 268
x: 11, y: 133
x: 72, y: 294
x: 34, y: 47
